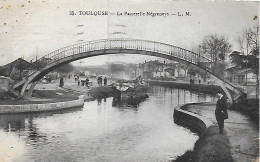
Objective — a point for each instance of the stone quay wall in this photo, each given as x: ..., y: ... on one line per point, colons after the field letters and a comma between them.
x: 192, y: 121
x: 6, y: 109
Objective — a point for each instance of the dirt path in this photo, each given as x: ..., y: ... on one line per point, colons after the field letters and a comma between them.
x: 243, y: 134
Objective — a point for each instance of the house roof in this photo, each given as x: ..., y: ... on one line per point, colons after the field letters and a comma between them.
x: 19, y: 63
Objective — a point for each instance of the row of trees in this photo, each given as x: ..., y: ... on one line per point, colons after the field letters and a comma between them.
x: 218, y: 48
x: 248, y: 55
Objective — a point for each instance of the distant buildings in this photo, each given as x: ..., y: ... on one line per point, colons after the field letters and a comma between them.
x: 156, y: 70
x: 241, y: 76
x: 17, y: 69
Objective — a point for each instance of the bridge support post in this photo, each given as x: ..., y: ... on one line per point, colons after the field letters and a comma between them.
x: 31, y: 89
x: 23, y: 89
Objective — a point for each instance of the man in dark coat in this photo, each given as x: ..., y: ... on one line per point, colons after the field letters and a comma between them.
x: 221, y: 111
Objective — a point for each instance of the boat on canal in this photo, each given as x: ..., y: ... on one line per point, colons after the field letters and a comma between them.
x: 130, y: 91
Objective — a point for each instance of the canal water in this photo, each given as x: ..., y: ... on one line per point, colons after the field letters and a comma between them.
x: 101, y: 132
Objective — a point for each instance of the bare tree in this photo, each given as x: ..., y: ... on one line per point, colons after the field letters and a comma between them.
x: 216, y: 49
x: 248, y: 40
x: 248, y: 56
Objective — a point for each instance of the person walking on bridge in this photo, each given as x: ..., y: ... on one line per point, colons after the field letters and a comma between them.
x: 221, y: 111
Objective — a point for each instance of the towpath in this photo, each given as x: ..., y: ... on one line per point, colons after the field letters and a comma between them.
x: 69, y: 86
x: 242, y: 132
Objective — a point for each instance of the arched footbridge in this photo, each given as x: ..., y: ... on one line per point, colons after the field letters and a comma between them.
x: 120, y: 46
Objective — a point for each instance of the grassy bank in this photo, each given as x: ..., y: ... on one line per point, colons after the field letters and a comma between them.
x: 51, y: 96
x: 41, y: 96
x: 211, y: 147
x: 57, y: 94
x: 249, y: 107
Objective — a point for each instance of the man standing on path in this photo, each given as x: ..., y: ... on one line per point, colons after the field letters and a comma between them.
x: 221, y: 111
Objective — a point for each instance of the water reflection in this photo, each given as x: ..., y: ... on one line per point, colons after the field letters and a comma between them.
x: 131, y: 102
x: 14, y: 122
x: 124, y: 104
x: 25, y: 127
x: 182, y: 96
x: 105, y: 130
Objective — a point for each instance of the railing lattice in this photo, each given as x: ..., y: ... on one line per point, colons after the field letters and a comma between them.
x: 123, y: 43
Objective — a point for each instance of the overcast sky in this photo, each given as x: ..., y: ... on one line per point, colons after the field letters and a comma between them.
x: 38, y: 27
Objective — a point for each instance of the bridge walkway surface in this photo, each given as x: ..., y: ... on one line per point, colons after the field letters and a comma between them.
x: 242, y: 132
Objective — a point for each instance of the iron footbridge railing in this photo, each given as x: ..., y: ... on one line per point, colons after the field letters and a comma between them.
x: 106, y: 44
x: 124, y: 44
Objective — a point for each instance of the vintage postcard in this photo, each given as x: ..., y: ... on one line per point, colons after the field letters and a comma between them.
x: 129, y: 80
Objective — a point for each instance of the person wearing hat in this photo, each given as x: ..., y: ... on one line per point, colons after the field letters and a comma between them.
x: 221, y: 111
